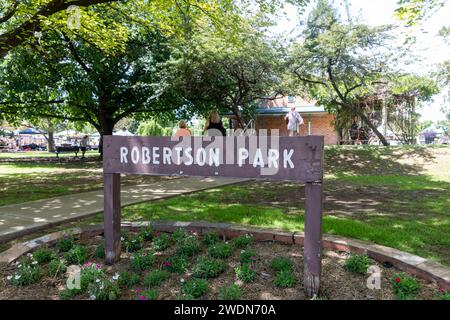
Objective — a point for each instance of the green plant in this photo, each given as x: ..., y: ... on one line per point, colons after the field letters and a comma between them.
x: 176, y: 264
x: 142, y: 260
x: 77, y: 255
x: 161, y: 242
x: 28, y: 272
x: 442, y: 295
x: 282, y: 264
x: 132, y: 244
x: 232, y: 292
x: 90, y: 272
x: 148, y: 295
x: 248, y: 256
x: 405, y: 287
x: 180, y: 234
x: 194, y: 287
x: 100, y: 250
x: 128, y: 279
x: 155, y: 278
x: 242, y: 241
x: 246, y: 272
x: 44, y: 255
x: 208, y: 268
x: 211, y: 237
x: 56, y: 267
x: 357, y: 263
x: 103, y: 289
x: 284, y: 279
x: 65, y: 244
x: 220, y: 250
x: 188, y: 246
x: 146, y: 233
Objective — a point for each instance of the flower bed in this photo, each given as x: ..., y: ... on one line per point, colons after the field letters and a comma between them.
x: 184, y: 265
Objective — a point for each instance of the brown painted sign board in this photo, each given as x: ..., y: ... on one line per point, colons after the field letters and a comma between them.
x: 298, y: 159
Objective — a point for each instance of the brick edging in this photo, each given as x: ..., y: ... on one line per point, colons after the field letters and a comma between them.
x: 412, y: 264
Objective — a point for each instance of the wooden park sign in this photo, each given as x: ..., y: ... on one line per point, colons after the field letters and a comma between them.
x: 298, y: 159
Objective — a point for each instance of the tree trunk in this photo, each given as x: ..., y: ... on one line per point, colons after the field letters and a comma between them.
x: 51, y: 140
x: 371, y: 126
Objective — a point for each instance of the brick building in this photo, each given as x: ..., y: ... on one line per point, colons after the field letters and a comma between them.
x: 271, y: 113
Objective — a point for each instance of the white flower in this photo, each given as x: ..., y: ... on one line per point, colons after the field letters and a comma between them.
x: 9, y: 278
x: 17, y: 277
x: 97, y: 280
x: 92, y: 297
x: 122, y: 238
x: 19, y: 265
x: 181, y: 280
x: 34, y: 262
x: 116, y: 276
x: 242, y: 251
x: 29, y: 255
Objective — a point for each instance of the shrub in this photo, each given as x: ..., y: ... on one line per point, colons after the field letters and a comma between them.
x: 180, y: 234
x: 357, y: 263
x: 56, y: 267
x: 284, y: 279
x: 246, y: 272
x: 28, y: 272
x: 76, y: 255
x: 128, y: 279
x: 232, y: 292
x: 44, y: 255
x: 176, y: 264
x: 208, y: 268
x: 90, y: 272
x: 248, y: 256
x: 65, y: 244
x: 100, y: 250
x: 242, y: 241
x: 211, y: 237
x: 148, y: 295
x: 220, y: 250
x: 103, y: 289
x: 443, y: 295
x: 142, y: 261
x: 405, y: 287
x: 194, y: 287
x: 132, y: 244
x: 68, y: 294
x: 146, y: 233
x: 188, y: 246
x: 161, y: 242
x: 155, y: 278
x: 282, y: 264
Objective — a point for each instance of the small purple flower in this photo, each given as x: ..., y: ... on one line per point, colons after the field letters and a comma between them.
x: 142, y: 298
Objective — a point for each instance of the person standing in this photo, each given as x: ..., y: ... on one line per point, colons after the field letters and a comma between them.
x: 293, y: 121
x: 183, y: 131
x: 214, y: 125
x: 83, y: 145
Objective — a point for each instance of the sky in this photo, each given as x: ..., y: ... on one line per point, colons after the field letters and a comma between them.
x: 429, y: 48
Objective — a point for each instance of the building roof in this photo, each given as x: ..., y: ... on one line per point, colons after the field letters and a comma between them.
x: 300, y: 109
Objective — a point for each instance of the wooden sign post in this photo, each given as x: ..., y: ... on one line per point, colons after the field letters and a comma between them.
x: 298, y: 159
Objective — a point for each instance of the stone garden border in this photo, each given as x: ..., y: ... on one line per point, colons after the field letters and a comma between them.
x: 409, y: 263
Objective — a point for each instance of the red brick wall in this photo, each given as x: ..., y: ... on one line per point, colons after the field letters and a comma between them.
x: 321, y: 124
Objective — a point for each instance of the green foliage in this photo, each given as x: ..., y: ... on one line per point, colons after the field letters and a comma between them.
x: 248, y: 256
x: 161, y: 242
x: 194, y: 287
x: 65, y: 244
x: 188, y: 246
x: 220, y: 250
x: 56, y: 267
x: 100, y: 250
x: 211, y: 237
x: 89, y: 274
x: 103, y: 289
x: 282, y: 264
x: 142, y: 260
x: 246, y: 272
x: 77, y: 255
x: 153, y: 128
x: 28, y: 272
x: 284, y: 279
x: 357, y: 263
x: 242, y: 241
x: 208, y: 268
x: 412, y: 12
x: 232, y: 292
x: 443, y: 295
x: 405, y: 287
x: 44, y: 255
x: 149, y: 295
x: 128, y: 279
x: 133, y: 244
x: 146, y: 233
x: 176, y: 264
x: 155, y: 278
x: 180, y: 234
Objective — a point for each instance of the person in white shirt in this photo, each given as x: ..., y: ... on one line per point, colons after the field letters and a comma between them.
x: 293, y: 120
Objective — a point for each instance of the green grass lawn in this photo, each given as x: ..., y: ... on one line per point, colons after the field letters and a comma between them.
x: 42, y: 154
x: 398, y: 197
